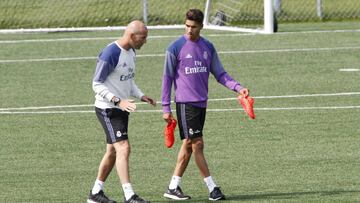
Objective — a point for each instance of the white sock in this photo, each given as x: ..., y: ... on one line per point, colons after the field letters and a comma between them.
x: 175, y: 181
x: 128, y: 190
x: 210, y: 183
x: 99, y: 185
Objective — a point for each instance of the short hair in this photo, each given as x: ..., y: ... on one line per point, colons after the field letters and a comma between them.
x: 195, y: 15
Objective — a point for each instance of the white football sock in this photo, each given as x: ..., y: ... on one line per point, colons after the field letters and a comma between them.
x: 175, y: 181
x: 128, y: 190
x: 99, y: 185
x: 210, y: 183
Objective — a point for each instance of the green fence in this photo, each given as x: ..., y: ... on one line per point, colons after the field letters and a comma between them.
x: 90, y: 13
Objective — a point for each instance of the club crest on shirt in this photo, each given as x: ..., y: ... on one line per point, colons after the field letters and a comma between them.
x: 205, y: 55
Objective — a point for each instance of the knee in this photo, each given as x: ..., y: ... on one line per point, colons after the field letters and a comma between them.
x: 123, y: 149
x: 111, y: 153
x: 187, y: 145
x: 198, y: 145
x: 186, y: 149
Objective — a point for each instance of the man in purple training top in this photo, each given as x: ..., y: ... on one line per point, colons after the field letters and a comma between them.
x: 188, y: 64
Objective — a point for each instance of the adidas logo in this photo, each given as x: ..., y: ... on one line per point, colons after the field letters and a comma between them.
x: 188, y: 56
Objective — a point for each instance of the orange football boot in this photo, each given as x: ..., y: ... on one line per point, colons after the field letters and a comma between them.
x: 248, y: 105
x: 169, y: 133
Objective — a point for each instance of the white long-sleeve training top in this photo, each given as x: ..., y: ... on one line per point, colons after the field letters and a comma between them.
x: 114, y: 76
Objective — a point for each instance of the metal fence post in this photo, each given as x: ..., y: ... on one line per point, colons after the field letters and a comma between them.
x: 277, y: 6
x: 319, y: 9
x: 145, y: 12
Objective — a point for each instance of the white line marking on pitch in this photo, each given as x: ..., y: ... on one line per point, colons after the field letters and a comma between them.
x: 209, y: 110
x: 163, y: 36
x: 161, y: 55
x: 4, y: 110
x: 349, y: 69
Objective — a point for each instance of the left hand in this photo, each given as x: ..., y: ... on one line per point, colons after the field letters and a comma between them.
x: 148, y: 100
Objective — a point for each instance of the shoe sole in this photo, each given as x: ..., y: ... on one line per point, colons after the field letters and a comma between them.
x: 175, y: 197
x: 220, y: 198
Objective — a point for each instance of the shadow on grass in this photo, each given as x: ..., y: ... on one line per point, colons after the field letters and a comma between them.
x: 273, y: 196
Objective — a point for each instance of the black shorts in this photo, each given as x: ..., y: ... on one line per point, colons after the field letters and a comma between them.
x: 191, y: 120
x: 115, y: 123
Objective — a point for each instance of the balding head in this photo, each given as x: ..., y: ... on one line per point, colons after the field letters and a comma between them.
x: 134, y: 36
x: 136, y: 27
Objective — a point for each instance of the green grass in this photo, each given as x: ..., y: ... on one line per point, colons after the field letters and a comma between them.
x: 91, y: 13
x: 298, y: 155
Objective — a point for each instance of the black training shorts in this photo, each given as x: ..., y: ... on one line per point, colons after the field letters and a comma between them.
x: 115, y: 123
x: 191, y: 120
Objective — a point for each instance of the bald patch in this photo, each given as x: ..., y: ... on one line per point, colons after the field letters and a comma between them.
x: 136, y: 27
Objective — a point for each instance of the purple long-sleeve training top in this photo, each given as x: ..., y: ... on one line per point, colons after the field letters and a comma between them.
x: 188, y: 65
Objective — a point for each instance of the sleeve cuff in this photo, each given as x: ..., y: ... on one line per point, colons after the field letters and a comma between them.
x: 109, y: 96
x: 166, y: 109
x: 238, y: 87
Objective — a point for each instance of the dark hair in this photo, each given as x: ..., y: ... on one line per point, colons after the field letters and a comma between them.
x: 195, y: 15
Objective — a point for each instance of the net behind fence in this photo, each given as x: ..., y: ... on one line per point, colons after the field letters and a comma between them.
x: 92, y: 13
x: 310, y: 10
x: 244, y: 12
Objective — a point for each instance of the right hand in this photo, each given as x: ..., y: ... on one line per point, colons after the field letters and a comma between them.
x: 167, y: 117
x: 244, y: 92
x: 127, y: 105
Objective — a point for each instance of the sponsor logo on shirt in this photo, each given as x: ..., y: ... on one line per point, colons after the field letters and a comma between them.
x: 194, y: 70
x: 198, y: 68
x: 128, y: 76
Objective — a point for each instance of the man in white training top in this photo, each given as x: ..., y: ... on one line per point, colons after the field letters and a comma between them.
x: 113, y: 84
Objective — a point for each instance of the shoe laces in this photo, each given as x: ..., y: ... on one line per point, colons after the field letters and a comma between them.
x: 178, y: 191
x: 138, y: 198
x: 216, y: 191
x: 102, y: 195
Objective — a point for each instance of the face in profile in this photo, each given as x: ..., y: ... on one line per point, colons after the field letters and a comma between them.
x: 139, y: 39
x: 192, y: 29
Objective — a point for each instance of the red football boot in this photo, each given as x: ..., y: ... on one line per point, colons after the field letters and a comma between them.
x: 169, y: 133
x: 248, y: 105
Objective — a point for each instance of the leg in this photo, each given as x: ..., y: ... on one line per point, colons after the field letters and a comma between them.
x: 107, y: 163
x: 198, y: 149
x: 183, y: 159
x: 174, y: 191
x: 122, y: 149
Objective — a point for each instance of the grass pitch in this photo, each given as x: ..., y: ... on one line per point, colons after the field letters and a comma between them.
x: 302, y: 147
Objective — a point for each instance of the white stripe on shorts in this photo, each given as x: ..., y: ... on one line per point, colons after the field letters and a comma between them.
x: 183, y: 121
x: 109, y: 126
